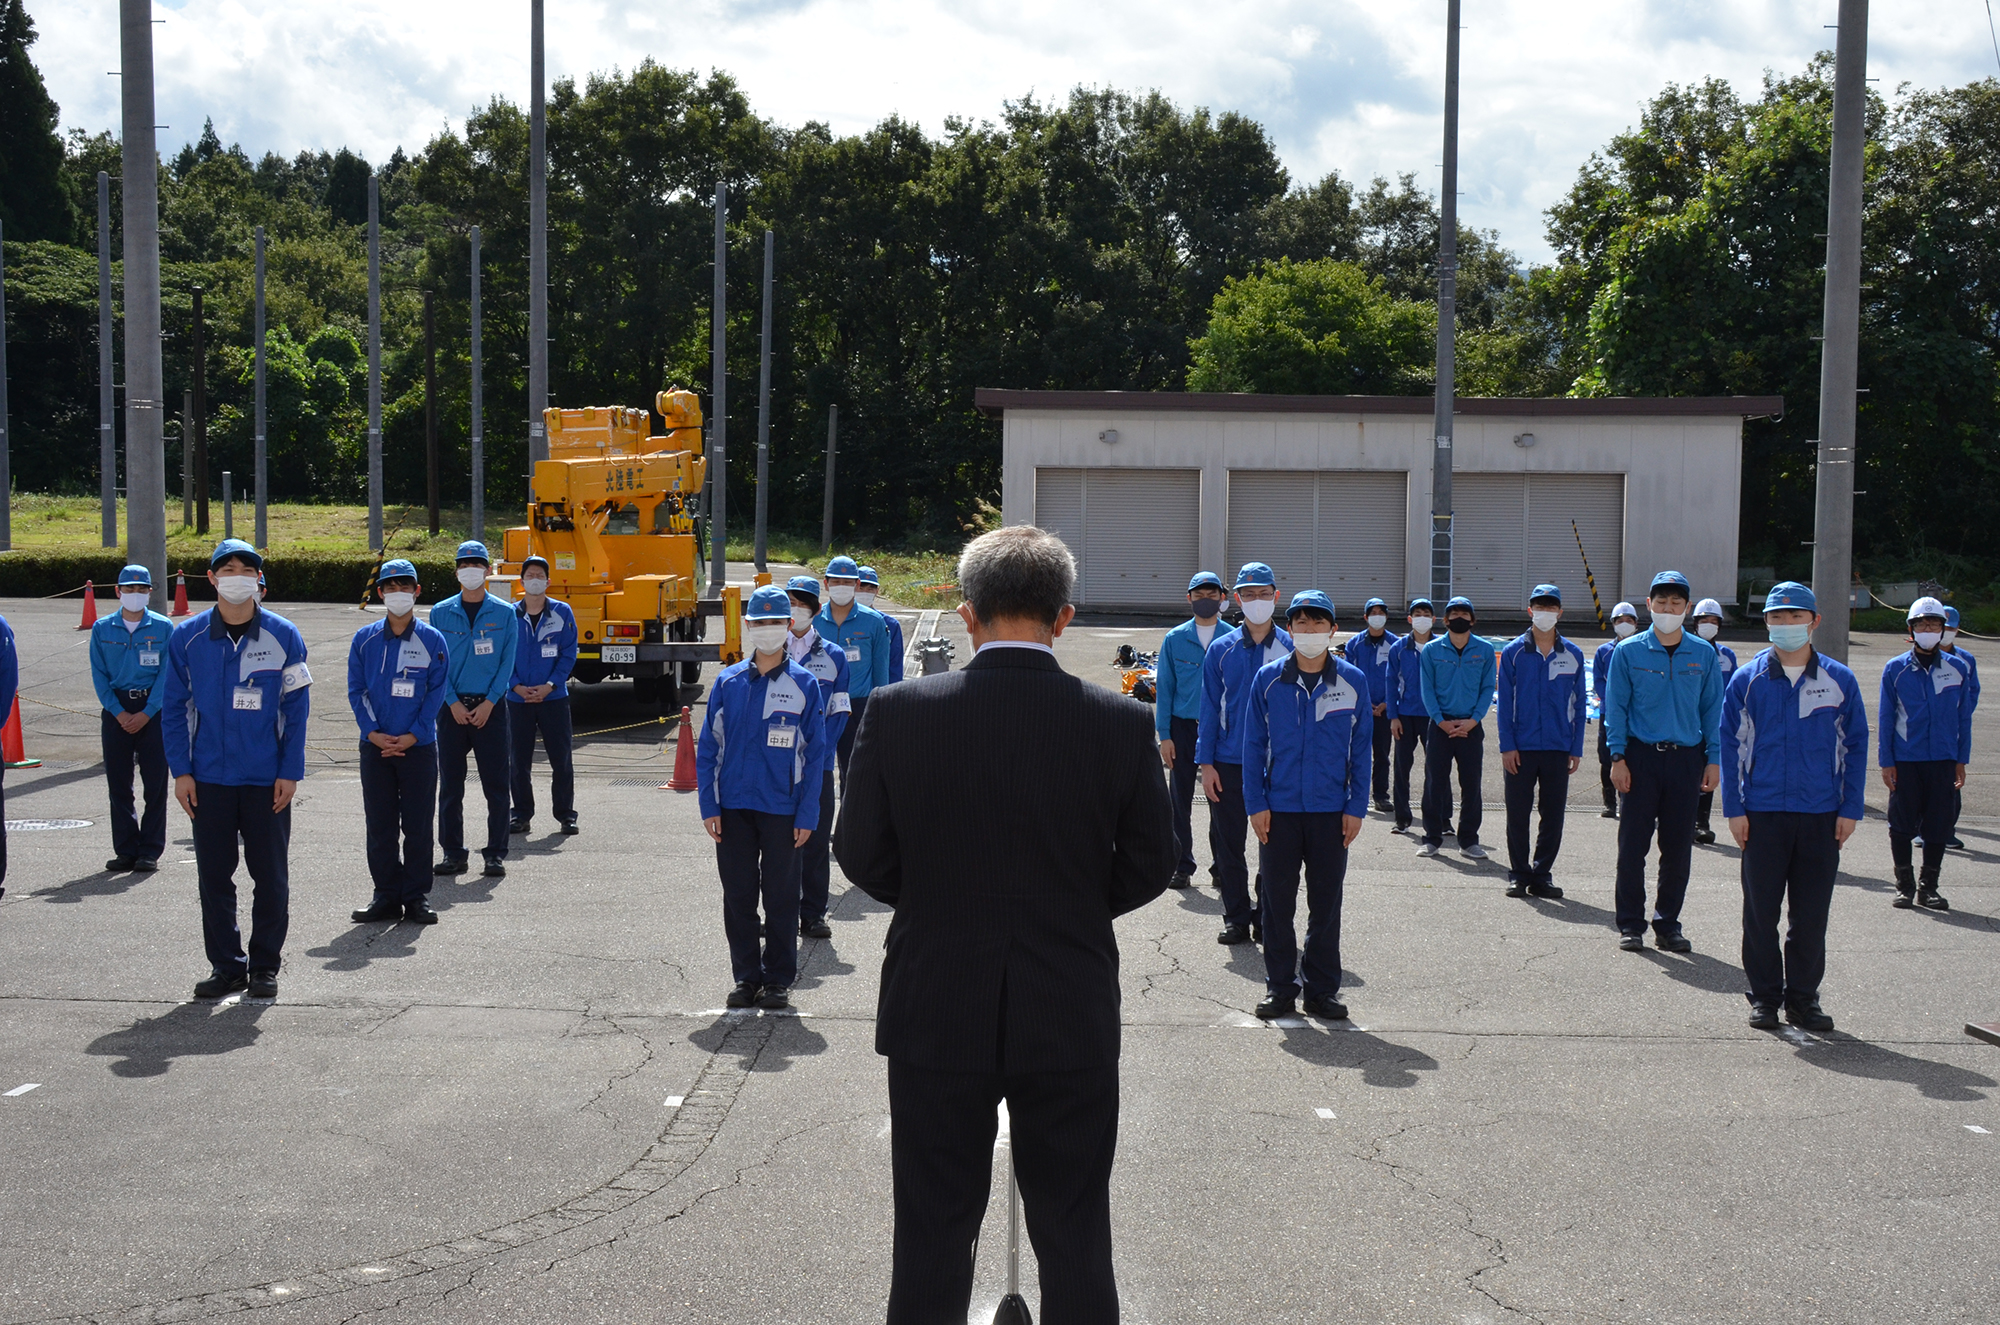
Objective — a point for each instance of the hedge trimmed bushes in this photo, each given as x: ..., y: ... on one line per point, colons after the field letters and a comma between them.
x: 306, y: 577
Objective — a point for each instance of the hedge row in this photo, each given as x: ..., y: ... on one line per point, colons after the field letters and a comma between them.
x: 311, y: 577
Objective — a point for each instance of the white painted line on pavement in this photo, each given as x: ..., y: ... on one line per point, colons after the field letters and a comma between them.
x: 1325, y: 1115
x: 1968, y: 1127
x: 22, y: 1090
x: 675, y: 1101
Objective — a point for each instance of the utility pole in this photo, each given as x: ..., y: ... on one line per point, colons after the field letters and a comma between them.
x: 145, y: 410
x: 430, y: 411
x: 200, y: 419
x: 259, y: 477
x: 718, y: 468
x: 6, y: 456
x: 107, y: 419
x: 538, y: 251
x: 764, y: 411
x: 1447, y: 322
x: 478, y: 408
x: 374, y: 364
x: 826, y: 507
x: 187, y: 461
x: 1833, y: 516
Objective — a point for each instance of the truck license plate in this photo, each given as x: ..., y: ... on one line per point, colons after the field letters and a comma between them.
x: 619, y: 653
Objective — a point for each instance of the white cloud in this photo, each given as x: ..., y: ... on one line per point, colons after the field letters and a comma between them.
x: 1353, y: 85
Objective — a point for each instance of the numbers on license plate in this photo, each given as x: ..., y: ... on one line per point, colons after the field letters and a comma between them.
x: 616, y: 653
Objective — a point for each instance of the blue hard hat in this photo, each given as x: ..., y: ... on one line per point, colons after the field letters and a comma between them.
x: 867, y: 575
x: 843, y: 567
x: 473, y: 550
x: 1206, y: 579
x: 399, y: 569
x: 1624, y: 609
x: 1461, y: 600
x: 235, y: 547
x: 136, y: 575
x: 1373, y: 602
x: 1790, y: 594
x: 806, y: 585
x: 1309, y: 598
x: 535, y: 559
x: 1670, y: 579
x: 1950, y: 618
x: 768, y: 601
x: 1256, y: 573
x: 1416, y: 603
x: 1547, y: 591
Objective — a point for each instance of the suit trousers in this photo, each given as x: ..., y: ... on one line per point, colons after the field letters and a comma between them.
x: 1924, y: 804
x: 1604, y: 769
x: 816, y: 858
x: 552, y: 719
x: 1440, y: 753
x: 1228, y: 823
x: 1415, y: 727
x: 1378, y: 783
x: 132, y: 836
x: 1544, y: 774
x: 1795, y: 856
x: 758, y: 862
x: 398, y: 800
x: 1665, y: 786
x: 1181, y: 781
x: 1313, y: 840
x: 489, y: 746
x: 843, y: 749
x: 223, y: 816
x: 1064, y: 1134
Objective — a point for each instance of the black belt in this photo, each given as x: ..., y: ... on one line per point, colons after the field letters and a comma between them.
x: 472, y: 701
x: 1665, y: 747
x: 134, y: 700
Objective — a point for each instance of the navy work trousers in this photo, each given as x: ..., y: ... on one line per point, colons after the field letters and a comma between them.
x: 844, y: 747
x: 1314, y: 841
x: 489, y: 746
x: 132, y: 836
x: 758, y: 862
x: 552, y: 719
x: 1415, y: 727
x: 1441, y: 752
x: 1665, y: 786
x: 1545, y: 775
x: 1181, y: 781
x: 223, y: 816
x: 1604, y: 769
x: 1791, y: 858
x: 1385, y: 740
x: 398, y: 798
x: 1924, y: 804
x: 1228, y: 823
x: 816, y: 858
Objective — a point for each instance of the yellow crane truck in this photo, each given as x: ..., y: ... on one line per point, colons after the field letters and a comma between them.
x: 617, y: 510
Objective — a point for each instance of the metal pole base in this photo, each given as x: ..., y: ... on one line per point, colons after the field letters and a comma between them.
x: 1013, y: 1310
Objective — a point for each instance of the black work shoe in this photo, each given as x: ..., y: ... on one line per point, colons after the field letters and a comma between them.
x: 419, y: 913
x: 377, y: 910
x: 1632, y: 942
x: 815, y: 929
x: 144, y: 865
x: 495, y: 868
x: 1808, y: 1017
x: 1331, y: 1009
x: 743, y: 995
x: 1548, y: 890
x: 1234, y: 934
x: 1928, y: 898
x: 1385, y: 805
x: 774, y: 996
x: 1180, y: 880
x: 1953, y: 844
x: 263, y: 984
x: 451, y: 865
x: 220, y: 985
x: 119, y: 864
x: 1607, y: 814
x: 1704, y: 835
x: 570, y: 829
x: 1674, y: 942
x: 1517, y: 890
x: 1763, y: 1016
x: 1275, y: 1006
x: 518, y: 826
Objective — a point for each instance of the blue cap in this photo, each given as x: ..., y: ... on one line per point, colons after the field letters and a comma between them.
x: 235, y: 547
x: 768, y: 601
x: 1670, y: 579
x: 473, y: 550
x: 1257, y: 573
x: 1462, y: 601
x: 1950, y: 618
x: 1789, y: 594
x: 136, y: 575
x: 806, y: 585
x: 843, y: 567
x: 1306, y: 598
x: 1373, y: 602
x: 1206, y: 579
x: 398, y: 569
x: 868, y: 576
x: 1416, y: 603
x: 1547, y: 591
x: 534, y: 559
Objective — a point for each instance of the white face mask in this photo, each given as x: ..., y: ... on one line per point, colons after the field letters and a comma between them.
x: 766, y: 637
x: 865, y: 597
x: 1666, y: 623
x: 841, y: 594
x: 1950, y: 635
x: 399, y: 602
x: 801, y: 618
x: 236, y: 588
x: 1543, y: 620
x: 1708, y: 630
x: 1258, y: 610
x: 1624, y: 629
x: 1377, y: 621
x: 472, y: 577
x: 135, y: 602
x: 1928, y: 639
x: 1422, y: 624
x: 535, y: 587
x: 1312, y: 644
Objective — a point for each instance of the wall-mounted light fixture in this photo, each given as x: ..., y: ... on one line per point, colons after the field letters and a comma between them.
x: 1525, y: 440
x: 1109, y: 437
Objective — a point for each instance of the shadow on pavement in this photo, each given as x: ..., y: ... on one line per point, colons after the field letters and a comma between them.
x: 149, y: 1046
x: 1698, y: 970
x: 101, y: 884
x: 791, y: 1037
x: 1382, y: 1063
x: 364, y: 944
x: 818, y: 960
x: 1571, y: 911
x: 1858, y: 1058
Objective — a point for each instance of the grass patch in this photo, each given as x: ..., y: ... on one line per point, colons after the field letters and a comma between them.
x: 914, y: 579
x: 72, y: 524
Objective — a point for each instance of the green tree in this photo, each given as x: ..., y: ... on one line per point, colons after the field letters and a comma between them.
x: 1308, y: 328
x: 36, y: 201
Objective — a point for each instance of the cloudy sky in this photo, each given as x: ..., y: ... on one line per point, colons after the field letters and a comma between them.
x: 1340, y: 84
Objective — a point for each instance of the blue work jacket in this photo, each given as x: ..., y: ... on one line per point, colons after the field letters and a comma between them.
x: 895, y: 646
x: 1457, y: 683
x: 1725, y: 662
x: 124, y: 660
x: 1406, y: 677
x: 1926, y: 712
x: 1654, y: 697
x: 1372, y: 657
x: 1795, y: 747
x: 397, y: 683
x: 1964, y: 655
x: 482, y: 643
x: 1231, y: 663
x: 234, y: 713
x: 761, y: 743
x: 829, y: 668
x: 1541, y: 703
x: 1177, y: 679
x: 1308, y: 739
x: 546, y: 652
x: 865, y: 637
x: 1600, y: 672
x: 10, y: 668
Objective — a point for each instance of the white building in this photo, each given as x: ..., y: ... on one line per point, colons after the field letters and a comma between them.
x: 1335, y: 492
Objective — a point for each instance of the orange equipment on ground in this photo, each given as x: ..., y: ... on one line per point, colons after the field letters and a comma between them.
x: 13, y: 751
x: 89, y: 606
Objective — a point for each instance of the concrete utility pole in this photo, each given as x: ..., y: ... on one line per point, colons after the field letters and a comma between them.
x: 6, y: 457
x: 107, y: 418
x: 538, y: 251
x: 478, y: 408
x: 764, y: 410
x: 259, y: 476
x: 718, y: 469
x: 430, y: 412
x: 374, y: 364
x: 145, y: 411
x: 200, y: 418
x: 1833, y: 517
x: 187, y: 461
x: 826, y: 507
x: 1447, y: 323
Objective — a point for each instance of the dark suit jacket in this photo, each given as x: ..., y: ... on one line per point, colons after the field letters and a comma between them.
x: 1007, y: 811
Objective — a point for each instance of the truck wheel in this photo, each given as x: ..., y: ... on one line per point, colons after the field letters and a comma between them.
x: 690, y: 673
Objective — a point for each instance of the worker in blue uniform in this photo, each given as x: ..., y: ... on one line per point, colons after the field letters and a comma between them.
x: 1663, y: 716
x: 127, y: 651
x: 1542, y: 711
x: 1624, y: 625
x: 1964, y: 655
x: 238, y: 694
x: 1794, y: 766
x: 538, y: 699
x: 1177, y: 706
x: 828, y: 667
x: 1457, y: 676
x: 1707, y: 623
x: 398, y: 675
x: 482, y: 635
x: 1409, y: 720
x: 1925, y: 744
x: 1307, y: 737
x: 863, y: 634
x: 1369, y: 650
x: 1227, y: 670
x: 868, y: 587
x: 10, y: 684
x: 758, y: 774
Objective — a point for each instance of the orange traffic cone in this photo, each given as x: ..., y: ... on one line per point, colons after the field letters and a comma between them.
x: 180, y: 593
x: 11, y: 751
x: 89, y: 605
x: 683, y: 778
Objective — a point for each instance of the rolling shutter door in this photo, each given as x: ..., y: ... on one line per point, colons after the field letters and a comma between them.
x: 1597, y: 503
x: 1363, y: 526
x: 1489, y: 513
x: 1059, y: 508
x: 1141, y: 536
x: 1271, y: 519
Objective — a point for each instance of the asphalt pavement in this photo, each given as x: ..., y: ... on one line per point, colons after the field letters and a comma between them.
x: 537, y: 1111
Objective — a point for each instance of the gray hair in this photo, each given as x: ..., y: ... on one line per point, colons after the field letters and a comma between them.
x: 1020, y: 573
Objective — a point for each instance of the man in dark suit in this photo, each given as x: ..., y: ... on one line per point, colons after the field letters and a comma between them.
x: 1008, y: 812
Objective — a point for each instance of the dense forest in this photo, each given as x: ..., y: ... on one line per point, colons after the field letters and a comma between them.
x: 1109, y: 240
